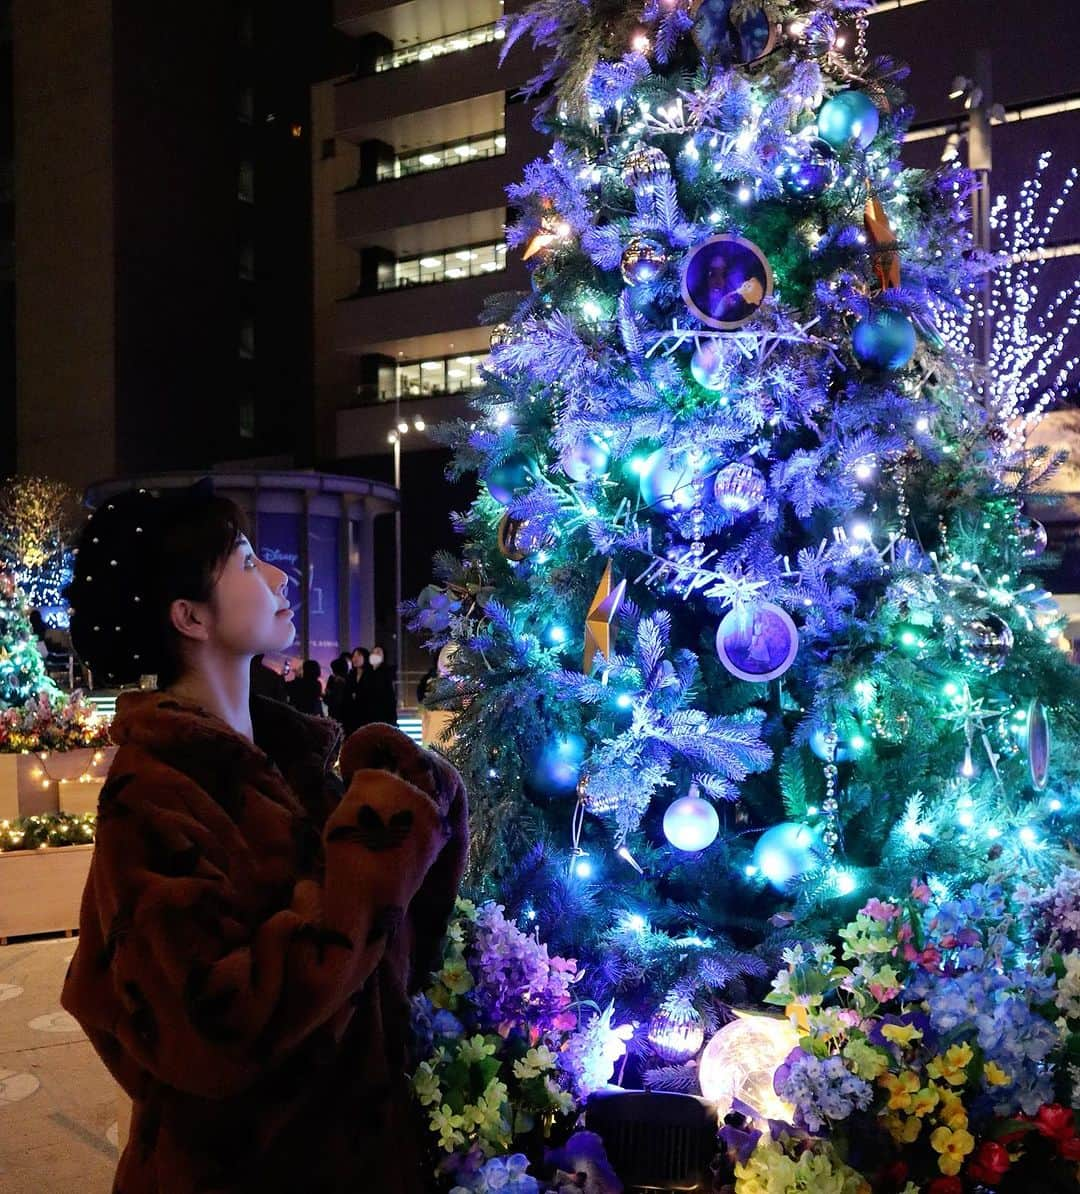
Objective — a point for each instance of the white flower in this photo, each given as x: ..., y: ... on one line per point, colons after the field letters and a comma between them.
x: 1068, y: 990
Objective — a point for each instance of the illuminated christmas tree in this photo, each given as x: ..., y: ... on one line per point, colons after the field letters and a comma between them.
x: 22, y: 668
x: 747, y: 624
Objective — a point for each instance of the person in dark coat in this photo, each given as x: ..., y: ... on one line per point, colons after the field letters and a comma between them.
x: 253, y: 926
x: 334, y: 693
x: 356, y: 705
x: 383, y: 696
x: 305, y: 692
x: 266, y: 682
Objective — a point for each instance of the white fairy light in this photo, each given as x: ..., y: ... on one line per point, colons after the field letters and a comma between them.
x: 1030, y: 366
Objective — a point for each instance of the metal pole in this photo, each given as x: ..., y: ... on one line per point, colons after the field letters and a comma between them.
x: 981, y: 161
x: 398, y: 651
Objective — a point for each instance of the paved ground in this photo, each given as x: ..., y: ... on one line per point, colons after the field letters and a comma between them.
x: 58, y: 1105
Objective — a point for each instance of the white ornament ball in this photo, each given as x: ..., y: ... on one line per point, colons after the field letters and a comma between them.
x: 708, y: 365
x: 691, y: 824
x: 740, y: 1061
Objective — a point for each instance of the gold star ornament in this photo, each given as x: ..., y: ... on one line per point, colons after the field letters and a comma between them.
x: 600, y: 621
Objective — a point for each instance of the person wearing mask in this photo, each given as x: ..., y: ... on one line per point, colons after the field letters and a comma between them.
x: 383, y: 695
x: 305, y: 692
x: 334, y: 694
x: 356, y: 702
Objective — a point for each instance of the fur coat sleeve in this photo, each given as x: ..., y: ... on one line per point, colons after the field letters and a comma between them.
x: 206, y: 957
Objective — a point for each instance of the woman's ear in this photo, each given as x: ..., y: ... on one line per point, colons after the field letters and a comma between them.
x: 188, y: 619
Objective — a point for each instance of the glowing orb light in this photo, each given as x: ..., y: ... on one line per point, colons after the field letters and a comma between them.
x: 740, y: 1061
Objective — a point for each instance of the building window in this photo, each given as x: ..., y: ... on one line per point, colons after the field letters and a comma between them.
x: 453, y: 43
x: 245, y: 186
x: 247, y: 338
x: 438, y: 375
x: 247, y: 419
x: 245, y: 107
x: 329, y: 148
x: 247, y: 262
x: 441, y: 157
x: 449, y: 265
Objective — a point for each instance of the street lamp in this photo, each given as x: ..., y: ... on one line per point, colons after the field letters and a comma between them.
x: 395, y: 438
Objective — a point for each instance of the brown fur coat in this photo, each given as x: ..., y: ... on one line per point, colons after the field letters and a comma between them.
x: 248, y: 941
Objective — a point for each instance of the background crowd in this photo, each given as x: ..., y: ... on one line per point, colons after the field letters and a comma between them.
x: 358, y: 691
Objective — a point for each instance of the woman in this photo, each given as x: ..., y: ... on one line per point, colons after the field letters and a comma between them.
x: 335, y: 686
x: 305, y: 692
x: 356, y: 705
x: 383, y: 698
x: 249, y: 936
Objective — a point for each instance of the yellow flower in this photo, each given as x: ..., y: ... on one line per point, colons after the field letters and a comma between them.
x: 534, y: 1063
x: 901, y: 1088
x: 901, y: 1034
x: 426, y: 1084
x: 903, y: 1129
x: 953, y: 1066
x: 952, y: 1112
x: 798, y: 1015
x: 455, y: 977
x: 995, y: 1075
x: 925, y: 1101
x: 444, y: 1122
x: 953, y: 1146
x: 476, y: 1049
x: 869, y: 1062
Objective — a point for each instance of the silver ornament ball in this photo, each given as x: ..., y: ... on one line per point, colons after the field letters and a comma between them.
x: 987, y: 641
x: 738, y: 488
x: 643, y: 260
x: 644, y: 166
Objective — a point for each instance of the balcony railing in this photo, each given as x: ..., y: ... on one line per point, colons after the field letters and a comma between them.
x: 450, y: 265
x: 442, y: 157
x: 424, y: 51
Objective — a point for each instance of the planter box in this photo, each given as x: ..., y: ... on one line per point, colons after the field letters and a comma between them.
x: 40, y: 890
x: 79, y: 797
x: 30, y: 785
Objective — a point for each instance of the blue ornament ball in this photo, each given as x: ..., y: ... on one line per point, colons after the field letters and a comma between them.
x: 670, y: 481
x: 810, y: 171
x: 850, y: 118
x: 708, y: 367
x: 586, y: 460
x: 555, y: 769
x: 786, y: 852
x: 884, y: 340
x: 691, y: 824
x: 506, y: 480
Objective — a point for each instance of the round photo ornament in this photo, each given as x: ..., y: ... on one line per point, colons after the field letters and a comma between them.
x: 725, y: 281
x: 757, y: 641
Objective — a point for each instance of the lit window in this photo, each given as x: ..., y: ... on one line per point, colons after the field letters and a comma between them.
x: 453, y: 43
x: 474, y: 260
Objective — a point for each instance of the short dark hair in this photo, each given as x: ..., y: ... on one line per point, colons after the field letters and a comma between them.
x: 340, y: 666
x: 135, y: 556
x: 311, y: 669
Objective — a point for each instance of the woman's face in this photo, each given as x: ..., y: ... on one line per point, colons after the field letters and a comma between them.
x: 357, y: 660
x: 249, y: 609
